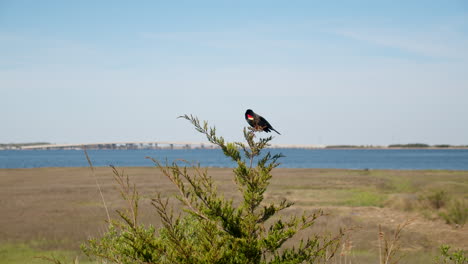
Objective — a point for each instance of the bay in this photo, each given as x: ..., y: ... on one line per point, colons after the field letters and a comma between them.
x: 401, y: 159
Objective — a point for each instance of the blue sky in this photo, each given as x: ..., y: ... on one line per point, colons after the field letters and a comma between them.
x: 322, y: 72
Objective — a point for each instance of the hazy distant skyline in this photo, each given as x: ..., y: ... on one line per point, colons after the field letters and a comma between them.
x: 349, y: 72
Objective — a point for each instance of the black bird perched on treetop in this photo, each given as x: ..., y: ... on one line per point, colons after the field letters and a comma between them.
x: 257, y: 122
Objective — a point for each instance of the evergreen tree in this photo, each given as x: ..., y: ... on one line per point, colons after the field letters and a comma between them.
x: 214, y: 230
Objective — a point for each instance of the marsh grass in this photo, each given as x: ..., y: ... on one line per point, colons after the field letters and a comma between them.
x: 390, y: 244
x: 93, y: 173
x: 19, y: 253
x: 42, y: 194
x: 456, y: 213
x: 365, y: 198
x: 401, y: 185
x: 66, y: 187
x: 442, y: 204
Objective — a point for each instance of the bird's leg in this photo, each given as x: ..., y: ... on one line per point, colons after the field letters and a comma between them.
x: 258, y: 128
x: 253, y: 130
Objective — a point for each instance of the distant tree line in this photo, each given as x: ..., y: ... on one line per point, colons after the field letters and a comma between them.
x: 351, y: 146
x: 410, y: 145
x: 423, y: 145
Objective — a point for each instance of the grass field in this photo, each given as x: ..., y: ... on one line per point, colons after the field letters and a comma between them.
x: 51, y: 211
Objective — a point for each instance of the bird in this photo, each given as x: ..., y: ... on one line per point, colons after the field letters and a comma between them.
x: 257, y: 122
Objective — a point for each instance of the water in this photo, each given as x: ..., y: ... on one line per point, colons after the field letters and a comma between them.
x: 414, y: 159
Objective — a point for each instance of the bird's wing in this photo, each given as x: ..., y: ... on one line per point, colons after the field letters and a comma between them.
x: 264, y: 123
x: 267, y: 125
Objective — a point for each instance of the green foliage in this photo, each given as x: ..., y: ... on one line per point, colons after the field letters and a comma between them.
x: 365, y: 198
x: 212, y: 229
x: 451, y: 257
x: 126, y: 241
x: 456, y: 213
x: 400, y: 185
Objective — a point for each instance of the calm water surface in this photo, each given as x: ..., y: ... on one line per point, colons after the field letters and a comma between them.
x: 418, y: 159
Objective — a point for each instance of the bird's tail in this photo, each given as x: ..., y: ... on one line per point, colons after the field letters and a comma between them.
x: 276, y: 131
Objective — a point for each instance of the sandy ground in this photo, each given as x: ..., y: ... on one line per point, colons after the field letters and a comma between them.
x: 62, y: 206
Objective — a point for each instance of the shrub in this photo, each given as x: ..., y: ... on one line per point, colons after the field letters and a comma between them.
x: 451, y: 257
x: 438, y: 199
x: 402, y: 201
x: 457, y: 213
x: 212, y: 229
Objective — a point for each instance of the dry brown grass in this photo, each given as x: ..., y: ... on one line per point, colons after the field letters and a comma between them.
x: 62, y: 206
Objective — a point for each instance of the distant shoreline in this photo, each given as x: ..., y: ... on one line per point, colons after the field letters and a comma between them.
x: 464, y: 147
x: 196, y: 145
x: 215, y: 148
